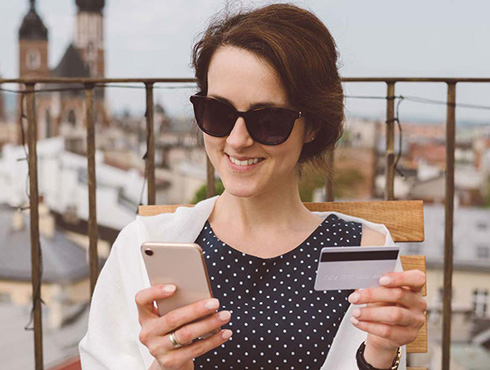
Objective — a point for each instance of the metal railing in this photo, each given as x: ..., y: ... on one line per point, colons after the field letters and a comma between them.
x: 91, y: 83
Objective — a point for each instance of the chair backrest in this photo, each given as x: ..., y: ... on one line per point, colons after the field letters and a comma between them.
x: 404, y: 220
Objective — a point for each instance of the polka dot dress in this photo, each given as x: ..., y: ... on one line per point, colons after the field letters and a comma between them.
x: 278, y: 320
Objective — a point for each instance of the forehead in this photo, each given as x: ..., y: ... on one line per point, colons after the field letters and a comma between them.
x: 244, y: 78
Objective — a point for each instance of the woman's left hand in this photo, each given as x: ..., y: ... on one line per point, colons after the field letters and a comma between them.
x: 394, y: 313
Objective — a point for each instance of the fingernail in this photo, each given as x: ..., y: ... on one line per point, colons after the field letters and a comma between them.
x: 354, y: 320
x: 226, y: 334
x: 224, y: 315
x: 385, y: 280
x: 169, y: 288
x: 354, y: 297
x: 356, y: 312
x: 212, y: 304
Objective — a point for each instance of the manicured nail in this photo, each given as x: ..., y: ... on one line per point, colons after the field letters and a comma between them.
x: 224, y: 315
x: 385, y: 280
x: 356, y: 312
x: 354, y: 320
x: 169, y: 288
x: 212, y: 304
x: 354, y: 297
x: 226, y: 334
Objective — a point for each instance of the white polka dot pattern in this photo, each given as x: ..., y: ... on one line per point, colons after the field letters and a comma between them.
x: 278, y: 320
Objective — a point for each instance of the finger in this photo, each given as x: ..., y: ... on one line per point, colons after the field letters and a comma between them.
x: 389, y: 315
x: 413, y: 279
x: 398, y: 296
x: 187, y: 333
x: 184, y: 315
x: 179, y: 356
x: 399, y: 335
x: 144, y: 299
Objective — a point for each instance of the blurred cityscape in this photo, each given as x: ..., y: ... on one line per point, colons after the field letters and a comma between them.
x: 180, y: 177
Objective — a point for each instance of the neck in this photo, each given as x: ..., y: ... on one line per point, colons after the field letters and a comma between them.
x: 279, y: 208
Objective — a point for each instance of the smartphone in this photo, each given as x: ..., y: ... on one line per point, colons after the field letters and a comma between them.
x: 354, y: 267
x: 181, y: 264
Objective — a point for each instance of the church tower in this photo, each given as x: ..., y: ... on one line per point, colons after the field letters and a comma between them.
x: 89, y: 35
x: 33, y: 45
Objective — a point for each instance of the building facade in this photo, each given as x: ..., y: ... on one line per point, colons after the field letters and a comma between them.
x: 62, y: 112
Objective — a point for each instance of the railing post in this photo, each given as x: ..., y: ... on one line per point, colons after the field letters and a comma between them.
x: 34, y: 220
x: 150, y: 140
x: 329, y: 197
x: 210, y: 183
x: 390, y: 142
x: 448, y: 226
x: 92, y: 187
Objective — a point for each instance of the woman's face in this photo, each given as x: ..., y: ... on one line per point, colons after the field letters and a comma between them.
x: 245, y: 79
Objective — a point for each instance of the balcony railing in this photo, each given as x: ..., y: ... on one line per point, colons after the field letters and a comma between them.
x: 89, y: 84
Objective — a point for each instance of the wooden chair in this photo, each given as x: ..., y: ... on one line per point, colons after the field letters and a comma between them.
x: 404, y: 220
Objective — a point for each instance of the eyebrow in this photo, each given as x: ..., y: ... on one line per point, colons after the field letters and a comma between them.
x: 252, y: 107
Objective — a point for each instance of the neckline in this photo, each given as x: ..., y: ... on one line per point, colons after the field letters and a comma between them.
x: 275, y: 258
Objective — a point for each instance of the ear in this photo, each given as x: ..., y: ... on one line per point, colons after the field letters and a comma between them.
x: 310, y: 133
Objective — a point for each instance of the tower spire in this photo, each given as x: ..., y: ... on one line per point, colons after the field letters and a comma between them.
x: 33, y: 3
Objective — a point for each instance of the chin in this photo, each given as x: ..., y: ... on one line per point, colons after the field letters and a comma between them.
x: 240, y: 190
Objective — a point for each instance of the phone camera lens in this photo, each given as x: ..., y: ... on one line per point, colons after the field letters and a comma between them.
x: 149, y: 252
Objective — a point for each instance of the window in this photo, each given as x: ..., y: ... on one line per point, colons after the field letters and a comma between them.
x: 33, y: 60
x: 47, y: 117
x: 482, y: 251
x: 480, y: 302
x: 482, y: 225
x: 72, y: 118
x: 413, y: 249
x: 5, y: 297
x: 90, y: 50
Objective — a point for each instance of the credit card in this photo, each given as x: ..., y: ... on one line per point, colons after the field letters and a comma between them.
x: 354, y: 267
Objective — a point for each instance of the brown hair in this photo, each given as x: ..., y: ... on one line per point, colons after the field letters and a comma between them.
x: 302, y: 51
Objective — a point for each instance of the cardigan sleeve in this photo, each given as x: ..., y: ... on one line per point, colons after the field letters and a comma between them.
x: 112, y: 340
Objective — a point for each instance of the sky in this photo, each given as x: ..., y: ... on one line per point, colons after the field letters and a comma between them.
x: 376, y: 38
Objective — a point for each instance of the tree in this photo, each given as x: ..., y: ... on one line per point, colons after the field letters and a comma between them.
x: 201, y: 192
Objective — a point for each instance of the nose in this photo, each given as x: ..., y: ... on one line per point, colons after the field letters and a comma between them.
x: 239, y: 136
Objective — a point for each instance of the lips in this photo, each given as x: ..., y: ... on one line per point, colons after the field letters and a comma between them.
x: 245, y: 161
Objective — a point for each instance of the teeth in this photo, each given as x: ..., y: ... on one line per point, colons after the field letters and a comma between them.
x: 244, y: 163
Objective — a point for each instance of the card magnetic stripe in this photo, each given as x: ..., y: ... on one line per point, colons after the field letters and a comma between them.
x: 359, y: 256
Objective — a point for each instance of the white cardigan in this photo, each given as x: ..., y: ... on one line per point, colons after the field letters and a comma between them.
x: 112, y: 339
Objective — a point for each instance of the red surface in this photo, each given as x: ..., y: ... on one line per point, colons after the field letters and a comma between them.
x: 71, y: 364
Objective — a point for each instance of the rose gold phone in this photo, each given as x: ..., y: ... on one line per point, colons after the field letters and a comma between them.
x: 181, y: 264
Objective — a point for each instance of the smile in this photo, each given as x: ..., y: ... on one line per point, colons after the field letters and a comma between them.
x: 245, y: 162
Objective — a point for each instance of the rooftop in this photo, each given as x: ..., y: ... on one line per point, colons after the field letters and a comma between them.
x: 32, y: 27
x: 63, y: 261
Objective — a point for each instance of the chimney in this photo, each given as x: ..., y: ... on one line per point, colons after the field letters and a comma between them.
x: 46, y: 220
x: 18, y: 223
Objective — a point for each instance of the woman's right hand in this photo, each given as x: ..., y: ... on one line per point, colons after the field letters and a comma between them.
x: 188, y: 323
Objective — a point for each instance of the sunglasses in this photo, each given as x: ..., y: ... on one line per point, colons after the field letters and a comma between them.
x: 268, y: 125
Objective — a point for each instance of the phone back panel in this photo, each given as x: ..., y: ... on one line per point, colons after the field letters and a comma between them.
x: 181, y: 264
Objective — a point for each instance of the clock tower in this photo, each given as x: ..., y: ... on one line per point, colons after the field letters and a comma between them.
x: 33, y: 45
x: 89, y: 35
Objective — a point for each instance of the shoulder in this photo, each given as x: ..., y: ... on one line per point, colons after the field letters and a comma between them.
x: 372, y: 237
x: 183, y: 225
x: 373, y: 234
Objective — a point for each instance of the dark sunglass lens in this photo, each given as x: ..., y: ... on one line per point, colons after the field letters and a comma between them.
x: 213, y: 117
x: 271, y: 126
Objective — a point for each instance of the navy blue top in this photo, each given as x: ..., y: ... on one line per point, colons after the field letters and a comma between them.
x: 278, y: 320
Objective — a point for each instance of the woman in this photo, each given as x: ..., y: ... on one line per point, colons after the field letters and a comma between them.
x: 269, y: 101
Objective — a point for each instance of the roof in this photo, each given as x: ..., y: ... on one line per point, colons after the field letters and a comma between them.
x: 71, y: 64
x: 32, y: 27
x: 90, y: 5
x: 63, y: 260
